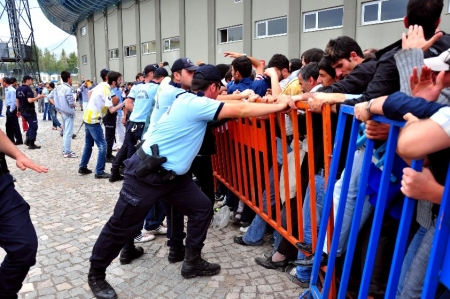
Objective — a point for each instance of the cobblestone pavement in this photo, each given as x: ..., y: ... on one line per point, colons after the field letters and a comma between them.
x: 68, y: 212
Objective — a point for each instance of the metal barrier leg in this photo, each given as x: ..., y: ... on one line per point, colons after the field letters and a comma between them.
x: 341, y: 207
x: 356, y: 219
x: 379, y: 212
x: 439, y: 247
x: 402, y: 239
x: 328, y: 204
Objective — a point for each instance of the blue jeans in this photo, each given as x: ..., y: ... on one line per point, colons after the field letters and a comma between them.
x: 1, y: 106
x: 154, y: 217
x: 351, y: 201
x: 255, y: 233
x: 94, y: 133
x: 409, y: 257
x: 54, y: 117
x: 304, y: 274
x: 67, y: 123
x: 47, y: 111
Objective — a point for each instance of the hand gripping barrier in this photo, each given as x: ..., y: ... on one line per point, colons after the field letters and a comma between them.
x: 438, y: 266
x: 246, y: 154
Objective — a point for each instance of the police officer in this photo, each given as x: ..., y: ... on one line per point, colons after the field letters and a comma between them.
x: 143, y: 103
x: 176, y: 139
x: 17, y: 235
x: 26, y: 107
x: 12, y: 122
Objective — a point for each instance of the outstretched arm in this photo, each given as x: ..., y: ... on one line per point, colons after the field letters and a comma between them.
x: 241, y: 110
x: 22, y: 162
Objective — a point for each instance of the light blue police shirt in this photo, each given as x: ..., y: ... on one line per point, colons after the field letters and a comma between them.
x: 162, y: 103
x: 117, y: 92
x: 180, y: 131
x: 134, y: 89
x: 143, y: 101
x: 10, y: 97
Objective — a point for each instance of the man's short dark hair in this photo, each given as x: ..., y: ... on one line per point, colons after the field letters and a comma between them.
x: 65, y: 76
x: 51, y: 84
x: 312, y: 55
x: 310, y: 70
x: 341, y: 47
x: 326, y: 65
x: 243, y: 65
x: 139, y: 75
x: 223, y: 69
x: 113, y: 77
x: 279, y: 61
x: 424, y: 13
x: 296, y: 64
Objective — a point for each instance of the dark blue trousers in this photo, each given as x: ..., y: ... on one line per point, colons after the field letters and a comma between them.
x: 12, y: 126
x: 17, y: 237
x: 135, y: 200
x: 32, y: 121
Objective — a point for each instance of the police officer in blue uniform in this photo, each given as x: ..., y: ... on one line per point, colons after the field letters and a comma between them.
x: 26, y: 107
x: 158, y: 171
x: 143, y: 103
x: 17, y: 235
x: 12, y: 122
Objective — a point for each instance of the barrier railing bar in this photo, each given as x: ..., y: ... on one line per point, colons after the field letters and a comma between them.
x: 342, y: 203
x: 250, y: 137
x: 275, y: 170
x: 328, y: 203
x: 312, y: 177
x: 235, y: 133
x: 266, y: 170
x: 402, y: 239
x: 438, y: 249
x: 259, y: 146
x: 287, y: 193
x: 379, y: 211
x: 242, y: 145
x: 298, y: 176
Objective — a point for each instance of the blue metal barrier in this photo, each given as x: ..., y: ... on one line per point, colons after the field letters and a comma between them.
x: 321, y: 289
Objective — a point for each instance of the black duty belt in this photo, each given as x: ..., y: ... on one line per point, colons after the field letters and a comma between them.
x: 29, y: 110
x: 166, y: 175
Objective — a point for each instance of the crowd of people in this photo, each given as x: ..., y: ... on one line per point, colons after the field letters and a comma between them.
x: 162, y: 129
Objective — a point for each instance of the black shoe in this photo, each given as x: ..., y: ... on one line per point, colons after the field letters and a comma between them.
x: 176, y: 254
x: 115, y: 177
x: 239, y: 240
x: 309, y: 261
x: 268, y: 254
x: 27, y: 141
x: 126, y: 256
x: 99, y: 286
x: 267, y: 263
x: 103, y: 176
x: 290, y: 271
x: 306, y: 248
x: 110, y: 159
x: 194, y: 265
x: 18, y: 142
x: 84, y: 170
x: 122, y: 170
x: 33, y: 146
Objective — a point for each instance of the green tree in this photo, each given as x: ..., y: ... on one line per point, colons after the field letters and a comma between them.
x: 72, y: 62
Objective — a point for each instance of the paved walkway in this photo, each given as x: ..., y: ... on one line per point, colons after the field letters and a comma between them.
x: 68, y: 212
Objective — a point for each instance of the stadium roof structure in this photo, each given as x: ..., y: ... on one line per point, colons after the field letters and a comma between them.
x: 65, y: 14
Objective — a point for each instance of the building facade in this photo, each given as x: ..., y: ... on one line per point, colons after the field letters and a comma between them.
x: 131, y: 34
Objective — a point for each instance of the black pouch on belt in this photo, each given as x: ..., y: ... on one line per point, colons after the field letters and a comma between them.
x: 149, y: 164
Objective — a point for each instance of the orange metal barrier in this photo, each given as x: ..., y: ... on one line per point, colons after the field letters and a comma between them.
x: 244, y: 159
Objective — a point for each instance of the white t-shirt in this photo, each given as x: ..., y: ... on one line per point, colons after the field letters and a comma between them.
x: 98, y: 104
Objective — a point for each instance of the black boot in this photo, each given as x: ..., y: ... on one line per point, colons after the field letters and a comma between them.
x: 32, y: 145
x: 176, y: 254
x: 194, y: 265
x: 115, y: 176
x: 27, y: 141
x: 127, y: 255
x: 99, y: 286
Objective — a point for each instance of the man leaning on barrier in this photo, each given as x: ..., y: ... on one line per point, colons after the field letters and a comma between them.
x: 178, y: 135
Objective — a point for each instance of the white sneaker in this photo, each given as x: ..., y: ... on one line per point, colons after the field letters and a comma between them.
x: 244, y: 229
x: 143, y: 238
x: 70, y: 155
x: 161, y: 230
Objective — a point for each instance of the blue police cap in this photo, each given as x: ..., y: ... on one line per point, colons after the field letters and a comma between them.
x: 208, y: 72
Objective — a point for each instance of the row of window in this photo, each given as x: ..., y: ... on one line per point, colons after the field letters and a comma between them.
x: 372, y: 12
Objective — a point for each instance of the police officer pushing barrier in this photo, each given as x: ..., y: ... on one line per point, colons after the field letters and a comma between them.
x: 17, y: 235
x: 158, y: 171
